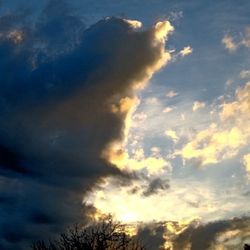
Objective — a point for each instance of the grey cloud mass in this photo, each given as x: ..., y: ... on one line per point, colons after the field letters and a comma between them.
x: 152, y: 235
x: 228, y: 234
x: 58, y: 82
x: 155, y: 186
x: 224, y: 234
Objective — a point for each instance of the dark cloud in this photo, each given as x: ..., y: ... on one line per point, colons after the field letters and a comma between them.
x: 152, y: 236
x: 10, y: 161
x: 58, y: 29
x: 58, y: 84
x: 228, y: 234
x: 155, y: 186
x: 205, y: 236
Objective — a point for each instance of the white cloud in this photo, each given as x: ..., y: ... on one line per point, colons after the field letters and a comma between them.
x: 229, y: 82
x: 162, y: 30
x: 245, y: 74
x: 183, y: 117
x: 186, y: 51
x: 139, y: 117
x: 193, y: 199
x: 172, y: 134
x: 152, y: 100
x: 223, y: 139
x: 134, y: 23
x: 155, y: 151
x: 171, y: 94
x: 232, y: 45
x: 16, y: 36
x: 246, y: 160
x: 198, y: 105
x: 168, y: 109
x: 229, y: 43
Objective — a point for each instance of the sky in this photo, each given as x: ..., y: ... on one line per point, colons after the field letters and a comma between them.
x: 139, y: 109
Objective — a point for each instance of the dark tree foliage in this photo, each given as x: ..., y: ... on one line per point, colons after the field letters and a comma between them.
x: 104, y: 235
x: 246, y: 247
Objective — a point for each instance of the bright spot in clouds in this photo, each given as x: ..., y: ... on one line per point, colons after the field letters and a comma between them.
x: 172, y: 134
x: 134, y: 23
x: 221, y: 140
x: 116, y: 113
x: 186, y: 51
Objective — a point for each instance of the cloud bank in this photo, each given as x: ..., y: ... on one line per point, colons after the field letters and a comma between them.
x: 223, y: 234
x: 65, y: 96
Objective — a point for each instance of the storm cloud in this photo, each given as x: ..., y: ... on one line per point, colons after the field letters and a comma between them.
x: 65, y: 94
x: 223, y: 234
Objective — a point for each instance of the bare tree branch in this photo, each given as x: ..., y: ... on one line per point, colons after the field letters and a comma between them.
x: 103, y: 235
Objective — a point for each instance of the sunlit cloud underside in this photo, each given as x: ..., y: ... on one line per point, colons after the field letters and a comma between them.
x: 212, y: 157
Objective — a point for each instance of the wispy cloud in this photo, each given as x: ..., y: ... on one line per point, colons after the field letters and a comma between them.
x: 171, y: 94
x: 232, y: 44
x: 245, y: 74
x: 229, y: 43
x: 186, y: 51
x: 223, y: 139
x: 172, y: 134
x: 246, y: 160
x: 198, y: 105
x: 168, y: 109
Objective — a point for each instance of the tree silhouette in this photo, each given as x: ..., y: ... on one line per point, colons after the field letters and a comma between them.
x: 246, y: 247
x: 104, y: 235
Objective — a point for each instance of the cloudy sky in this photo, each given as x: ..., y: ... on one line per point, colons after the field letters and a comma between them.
x: 139, y: 109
